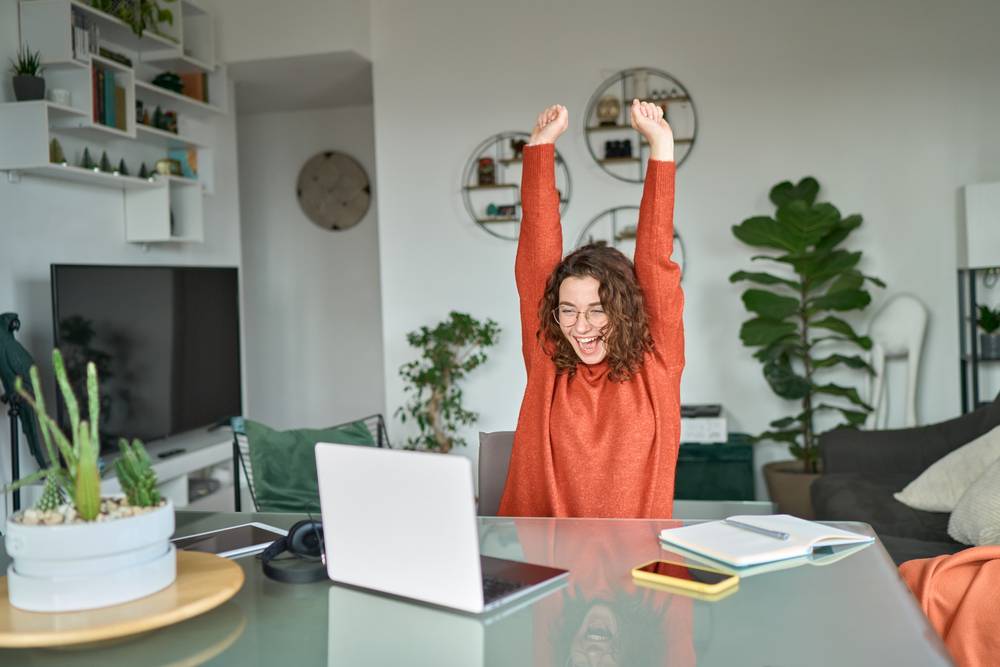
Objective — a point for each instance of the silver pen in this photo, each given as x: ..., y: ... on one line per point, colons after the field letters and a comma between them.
x: 776, y: 534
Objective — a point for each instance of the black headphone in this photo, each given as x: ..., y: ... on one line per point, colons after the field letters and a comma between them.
x: 305, y: 541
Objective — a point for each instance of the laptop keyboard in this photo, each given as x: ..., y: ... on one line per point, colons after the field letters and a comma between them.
x: 495, y: 588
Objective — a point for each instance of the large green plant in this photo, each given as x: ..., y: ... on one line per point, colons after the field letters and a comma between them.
x: 448, y: 352
x: 794, y: 329
x: 73, y: 472
x: 139, y: 14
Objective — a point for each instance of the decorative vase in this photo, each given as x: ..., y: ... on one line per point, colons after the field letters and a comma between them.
x: 28, y: 87
x: 70, y: 567
x: 989, y: 345
x: 788, y: 486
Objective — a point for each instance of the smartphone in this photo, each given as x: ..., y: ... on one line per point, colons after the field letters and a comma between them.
x: 688, y: 577
x: 232, y: 542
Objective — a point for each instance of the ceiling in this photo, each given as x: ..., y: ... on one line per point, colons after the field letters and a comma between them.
x: 320, y: 81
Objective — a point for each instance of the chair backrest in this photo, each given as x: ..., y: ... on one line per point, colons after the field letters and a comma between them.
x: 374, y: 424
x: 494, y: 459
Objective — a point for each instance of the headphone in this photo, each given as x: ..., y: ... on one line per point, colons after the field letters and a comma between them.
x: 304, y: 541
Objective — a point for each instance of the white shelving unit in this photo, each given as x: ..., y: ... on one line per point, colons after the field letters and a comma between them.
x: 157, y: 209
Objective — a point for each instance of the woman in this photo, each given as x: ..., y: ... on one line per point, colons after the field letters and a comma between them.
x: 603, y: 343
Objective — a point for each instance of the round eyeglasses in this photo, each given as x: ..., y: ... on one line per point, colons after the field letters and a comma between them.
x: 568, y: 317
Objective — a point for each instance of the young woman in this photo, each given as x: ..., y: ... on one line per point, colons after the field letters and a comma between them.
x: 603, y: 343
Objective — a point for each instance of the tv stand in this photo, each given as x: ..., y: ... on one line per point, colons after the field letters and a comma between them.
x: 174, y: 458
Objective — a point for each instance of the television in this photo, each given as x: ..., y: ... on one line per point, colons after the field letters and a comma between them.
x: 165, y: 340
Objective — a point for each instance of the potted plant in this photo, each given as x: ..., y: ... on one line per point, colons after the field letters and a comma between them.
x: 27, y: 69
x: 794, y: 329
x: 140, y: 15
x: 449, y: 352
x: 76, y: 549
x: 989, y: 339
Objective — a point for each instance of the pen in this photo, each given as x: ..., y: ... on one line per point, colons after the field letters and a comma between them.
x: 776, y: 534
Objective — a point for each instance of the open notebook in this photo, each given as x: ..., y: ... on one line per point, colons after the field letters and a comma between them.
x: 741, y: 547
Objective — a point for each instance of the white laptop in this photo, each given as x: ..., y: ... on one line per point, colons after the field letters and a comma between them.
x: 404, y: 523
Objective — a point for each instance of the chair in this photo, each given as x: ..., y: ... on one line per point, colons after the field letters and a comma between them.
x: 494, y: 459
x: 373, y: 426
x: 897, y: 332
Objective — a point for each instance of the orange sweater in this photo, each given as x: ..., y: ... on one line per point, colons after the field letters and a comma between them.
x: 587, y: 446
x: 958, y: 593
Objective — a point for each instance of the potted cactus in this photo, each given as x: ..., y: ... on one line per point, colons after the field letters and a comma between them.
x: 76, y: 549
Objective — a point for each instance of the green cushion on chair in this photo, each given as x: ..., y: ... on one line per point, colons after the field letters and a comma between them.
x: 284, y: 463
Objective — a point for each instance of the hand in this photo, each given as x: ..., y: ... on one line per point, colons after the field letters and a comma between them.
x: 551, y: 123
x: 648, y: 119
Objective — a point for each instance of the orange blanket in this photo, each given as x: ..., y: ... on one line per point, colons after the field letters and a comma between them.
x: 960, y: 594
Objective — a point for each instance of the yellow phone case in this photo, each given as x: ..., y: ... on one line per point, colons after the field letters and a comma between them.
x: 686, y: 584
x: 694, y: 595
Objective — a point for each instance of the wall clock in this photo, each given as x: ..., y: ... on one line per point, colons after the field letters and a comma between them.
x: 333, y: 190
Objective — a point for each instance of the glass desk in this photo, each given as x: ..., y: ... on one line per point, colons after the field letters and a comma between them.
x: 854, y: 611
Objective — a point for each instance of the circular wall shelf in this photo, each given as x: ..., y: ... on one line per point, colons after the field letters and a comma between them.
x: 616, y: 147
x: 491, y: 189
x: 616, y: 227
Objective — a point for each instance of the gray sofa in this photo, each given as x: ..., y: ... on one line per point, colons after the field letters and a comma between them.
x: 862, y: 469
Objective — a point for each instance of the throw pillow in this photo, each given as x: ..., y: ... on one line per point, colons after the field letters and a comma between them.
x: 939, y: 488
x: 976, y: 519
x: 284, y: 463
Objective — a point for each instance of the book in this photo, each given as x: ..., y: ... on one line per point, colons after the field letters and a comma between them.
x: 120, y: 108
x: 109, y: 98
x: 742, y: 546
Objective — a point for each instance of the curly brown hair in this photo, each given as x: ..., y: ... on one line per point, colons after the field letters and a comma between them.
x: 626, y: 335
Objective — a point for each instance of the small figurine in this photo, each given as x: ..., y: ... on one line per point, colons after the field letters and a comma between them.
x: 56, y: 155
x: 143, y: 172
x: 492, y: 210
x: 608, y: 110
x: 122, y: 168
x: 88, y: 162
x: 105, y: 162
x: 487, y: 171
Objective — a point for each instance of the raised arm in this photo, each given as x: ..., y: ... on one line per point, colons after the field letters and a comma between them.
x: 659, y: 276
x: 539, y: 245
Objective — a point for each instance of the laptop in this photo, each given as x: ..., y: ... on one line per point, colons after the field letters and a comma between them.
x: 404, y: 523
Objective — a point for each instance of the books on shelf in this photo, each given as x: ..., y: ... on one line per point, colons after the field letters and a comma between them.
x: 742, y: 541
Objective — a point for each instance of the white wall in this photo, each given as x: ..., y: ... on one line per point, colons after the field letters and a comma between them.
x: 261, y: 29
x: 44, y: 221
x: 891, y: 105
x: 314, y: 344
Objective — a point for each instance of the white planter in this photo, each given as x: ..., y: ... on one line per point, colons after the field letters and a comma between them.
x: 88, y: 565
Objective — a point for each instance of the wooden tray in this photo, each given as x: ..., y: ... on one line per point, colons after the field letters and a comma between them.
x: 204, y: 581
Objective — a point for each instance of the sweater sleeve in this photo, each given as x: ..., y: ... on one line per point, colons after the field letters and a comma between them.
x: 539, y: 245
x: 659, y: 276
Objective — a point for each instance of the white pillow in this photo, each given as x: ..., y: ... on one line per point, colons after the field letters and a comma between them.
x: 976, y: 519
x: 939, y: 488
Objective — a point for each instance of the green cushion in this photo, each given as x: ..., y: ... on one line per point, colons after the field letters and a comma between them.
x: 284, y: 463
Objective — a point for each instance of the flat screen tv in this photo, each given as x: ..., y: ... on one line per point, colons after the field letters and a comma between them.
x: 165, y: 340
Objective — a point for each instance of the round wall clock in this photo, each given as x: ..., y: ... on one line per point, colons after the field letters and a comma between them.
x: 333, y: 190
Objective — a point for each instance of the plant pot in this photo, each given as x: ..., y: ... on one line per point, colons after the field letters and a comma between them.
x: 88, y: 565
x: 788, y: 486
x: 989, y: 345
x: 28, y: 87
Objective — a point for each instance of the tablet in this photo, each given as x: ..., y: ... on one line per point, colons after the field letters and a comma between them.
x: 232, y: 542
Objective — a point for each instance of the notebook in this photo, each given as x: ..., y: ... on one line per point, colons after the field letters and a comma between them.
x: 742, y: 546
x: 820, y: 556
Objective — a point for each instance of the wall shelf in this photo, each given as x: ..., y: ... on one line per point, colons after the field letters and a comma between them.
x: 503, y: 152
x: 609, y: 111
x: 158, y: 209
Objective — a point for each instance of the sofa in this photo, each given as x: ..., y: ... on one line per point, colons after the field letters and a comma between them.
x: 862, y: 470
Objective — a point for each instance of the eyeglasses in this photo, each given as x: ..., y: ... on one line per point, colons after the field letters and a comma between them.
x: 567, y: 316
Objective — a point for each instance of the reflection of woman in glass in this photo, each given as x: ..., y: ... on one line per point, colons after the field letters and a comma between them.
x: 603, y: 344
x: 602, y: 618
